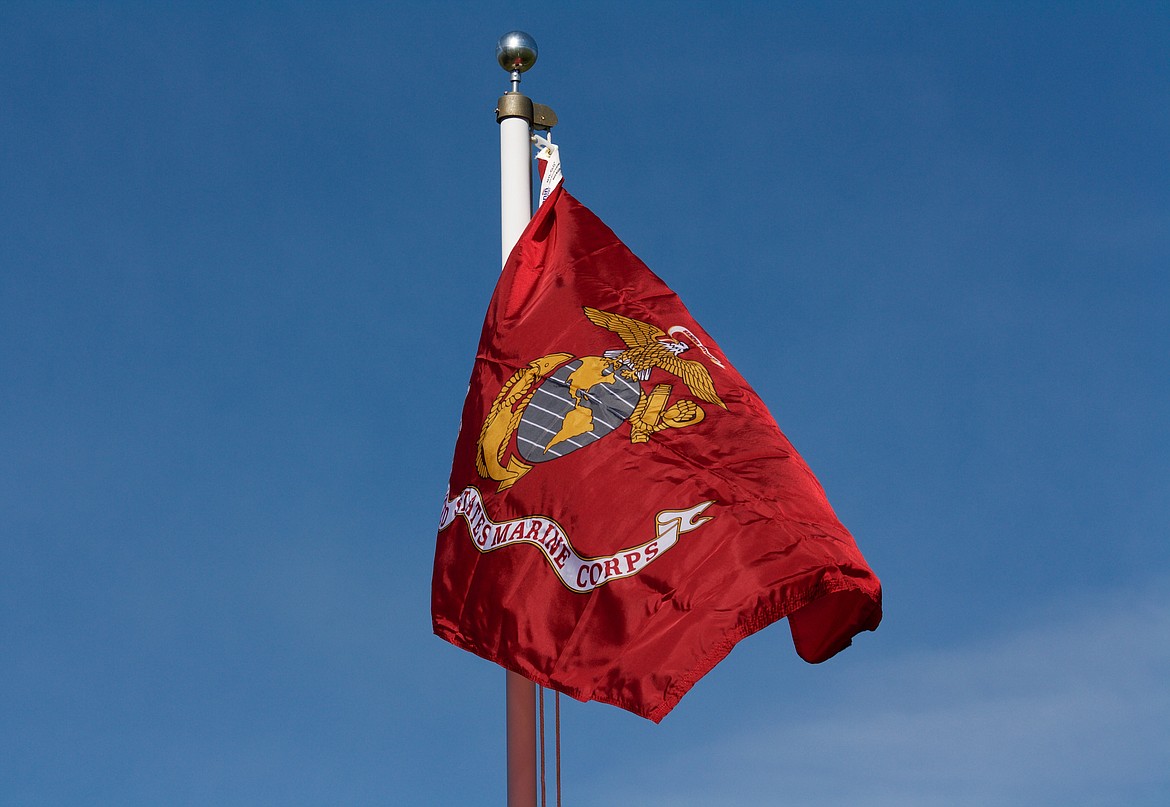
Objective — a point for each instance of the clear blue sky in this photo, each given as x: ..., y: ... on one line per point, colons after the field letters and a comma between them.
x: 245, y: 251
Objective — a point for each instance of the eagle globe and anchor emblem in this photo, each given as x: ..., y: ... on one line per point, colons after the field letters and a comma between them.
x: 560, y: 403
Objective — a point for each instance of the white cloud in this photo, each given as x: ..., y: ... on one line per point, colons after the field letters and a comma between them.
x: 1071, y: 709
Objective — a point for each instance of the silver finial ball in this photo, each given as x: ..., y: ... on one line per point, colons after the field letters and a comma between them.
x: 516, y: 51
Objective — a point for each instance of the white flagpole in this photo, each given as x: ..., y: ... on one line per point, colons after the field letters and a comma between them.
x: 516, y: 52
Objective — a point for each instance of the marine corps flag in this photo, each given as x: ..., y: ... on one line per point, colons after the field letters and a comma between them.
x: 622, y: 507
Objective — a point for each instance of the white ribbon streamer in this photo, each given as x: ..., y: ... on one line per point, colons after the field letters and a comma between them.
x: 551, y: 154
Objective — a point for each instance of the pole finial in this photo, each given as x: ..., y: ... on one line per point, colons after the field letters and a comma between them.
x: 516, y: 52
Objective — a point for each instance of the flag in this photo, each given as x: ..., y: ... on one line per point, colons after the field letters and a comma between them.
x: 622, y: 507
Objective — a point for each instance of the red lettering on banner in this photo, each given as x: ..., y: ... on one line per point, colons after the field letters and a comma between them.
x: 551, y: 538
x: 563, y: 556
x: 553, y: 546
x: 517, y: 532
x: 582, y: 577
x: 631, y: 559
x: 479, y: 531
x: 612, y: 568
x: 651, y: 551
x: 501, y: 534
x: 534, y: 531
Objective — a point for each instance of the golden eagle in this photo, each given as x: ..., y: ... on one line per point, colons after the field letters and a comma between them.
x: 648, y: 347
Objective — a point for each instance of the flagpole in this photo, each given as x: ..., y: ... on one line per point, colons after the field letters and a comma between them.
x: 516, y: 52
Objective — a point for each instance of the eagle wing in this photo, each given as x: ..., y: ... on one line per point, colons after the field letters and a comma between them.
x: 633, y: 332
x: 694, y: 375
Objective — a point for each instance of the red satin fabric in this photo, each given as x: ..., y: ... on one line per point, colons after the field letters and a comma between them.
x: 773, y: 547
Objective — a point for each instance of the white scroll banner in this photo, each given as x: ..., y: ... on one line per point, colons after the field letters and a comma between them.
x: 580, y: 574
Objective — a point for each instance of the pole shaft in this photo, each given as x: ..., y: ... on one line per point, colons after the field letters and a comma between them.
x: 520, y: 693
x: 521, y: 707
x: 515, y: 181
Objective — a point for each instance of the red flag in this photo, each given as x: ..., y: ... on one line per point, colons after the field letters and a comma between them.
x: 622, y: 507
